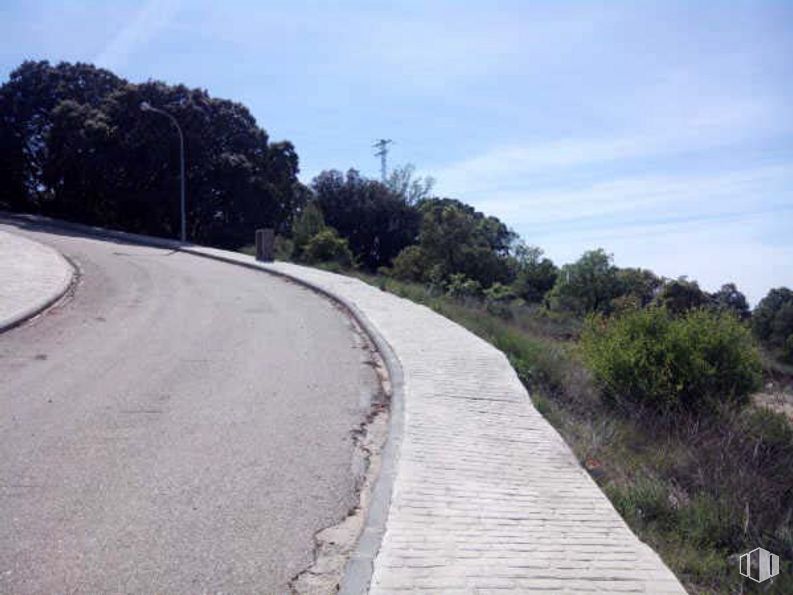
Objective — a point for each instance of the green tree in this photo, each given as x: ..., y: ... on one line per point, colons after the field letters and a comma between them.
x: 772, y: 321
x: 75, y: 144
x: 679, y: 296
x: 638, y: 285
x: 456, y: 238
x: 377, y: 222
x: 404, y: 182
x: 534, y: 274
x: 75, y: 171
x: 587, y: 285
x: 787, y: 350
x: 729, y: 299
x: 27, y: 99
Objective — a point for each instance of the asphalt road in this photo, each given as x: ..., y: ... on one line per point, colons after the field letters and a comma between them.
x: 179, y: 425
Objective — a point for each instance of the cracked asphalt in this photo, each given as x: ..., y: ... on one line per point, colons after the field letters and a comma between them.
x: 177, y: 425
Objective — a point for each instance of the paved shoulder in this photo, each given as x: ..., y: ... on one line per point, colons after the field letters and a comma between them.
x: 487, y: 498
x: 32, y: 276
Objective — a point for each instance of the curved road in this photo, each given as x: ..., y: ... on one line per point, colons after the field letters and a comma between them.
x: 178, y: 425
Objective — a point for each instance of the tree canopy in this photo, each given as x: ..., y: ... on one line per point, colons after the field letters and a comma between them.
x: 456, y: 239
x: 404, y: 182
x: 377, y: 221
x: 681, y: 295
x: 587, y: 285
x: 76, y: 145
x: 729, y: 299
x: 535, y: 275
x: 772, y: 321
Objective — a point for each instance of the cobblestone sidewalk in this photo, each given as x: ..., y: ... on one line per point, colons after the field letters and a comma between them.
x: 32, y: 276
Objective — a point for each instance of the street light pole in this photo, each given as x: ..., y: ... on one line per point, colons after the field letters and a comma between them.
x: 145, y: 106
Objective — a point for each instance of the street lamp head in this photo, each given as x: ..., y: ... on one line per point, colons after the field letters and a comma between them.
x: 145, y: 106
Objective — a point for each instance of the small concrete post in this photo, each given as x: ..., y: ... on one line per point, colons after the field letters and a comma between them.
x: 265, y: 244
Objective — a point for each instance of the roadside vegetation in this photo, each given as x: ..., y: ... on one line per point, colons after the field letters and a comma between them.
x: 649, y: 380
x: 674, y: 399
x: 696, y: 471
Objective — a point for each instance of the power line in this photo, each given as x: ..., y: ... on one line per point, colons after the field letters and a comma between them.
x: 382, y: 153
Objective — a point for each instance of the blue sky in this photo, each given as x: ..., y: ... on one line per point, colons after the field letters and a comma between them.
x: 661, y: 132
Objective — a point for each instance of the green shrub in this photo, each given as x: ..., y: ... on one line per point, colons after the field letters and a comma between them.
x: 709, y: 522
x: 644, y: 501
x: 787, y: 350
x: 625, y: 303
x: 695, y: 362
x: 497, y: 300
x: 284, y: 248
x: 327, y: 246
x: 540, y: 365
x: 436, y: 279
x: 772, y: 319
x: 307, y: 225
x: 409, y: 265
x: 499, y: 293
x: 461, y: 287
x: 709, y: 570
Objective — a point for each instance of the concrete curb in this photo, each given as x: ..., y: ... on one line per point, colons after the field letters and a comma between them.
x: 54, y: 292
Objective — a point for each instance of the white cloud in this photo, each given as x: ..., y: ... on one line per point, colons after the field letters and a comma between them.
x: 647, y: 197
x: 508, y: 165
